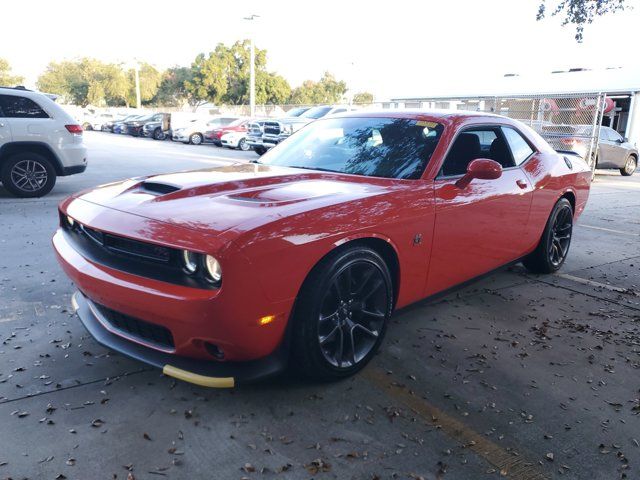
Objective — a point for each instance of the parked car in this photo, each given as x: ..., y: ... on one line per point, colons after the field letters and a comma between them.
x: 194, y: 131
x: 240, y: 125
x: 158, y: 129
x: 39, y: 142
x: 116, y: 125
x: 226, y: 274
x: 614, y: 151
x: 275, y: 131
x: 135, y: 127
x: 97, y: 122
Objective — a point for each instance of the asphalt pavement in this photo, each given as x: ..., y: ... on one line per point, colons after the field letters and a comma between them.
x: 517, y: 376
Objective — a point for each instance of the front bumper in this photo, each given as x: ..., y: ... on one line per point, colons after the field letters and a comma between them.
x: 258, y: 142
x: 203, y: 373
x: 179, y: 137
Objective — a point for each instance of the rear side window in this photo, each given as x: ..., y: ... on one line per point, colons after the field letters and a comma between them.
x: 520, y: 149
x: 20, y: 107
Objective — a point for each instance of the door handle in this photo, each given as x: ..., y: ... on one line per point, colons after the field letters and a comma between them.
x: 521, y: 183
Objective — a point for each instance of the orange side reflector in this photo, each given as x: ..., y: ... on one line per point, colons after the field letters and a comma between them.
x: 266, y: 320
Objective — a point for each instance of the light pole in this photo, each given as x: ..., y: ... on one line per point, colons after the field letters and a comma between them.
x: 138, y: 100
x: 252, y: 70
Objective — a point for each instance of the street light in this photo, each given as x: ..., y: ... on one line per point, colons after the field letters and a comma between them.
x: 252, y: 70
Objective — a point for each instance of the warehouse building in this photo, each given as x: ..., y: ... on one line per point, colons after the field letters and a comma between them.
x: 608, y: 96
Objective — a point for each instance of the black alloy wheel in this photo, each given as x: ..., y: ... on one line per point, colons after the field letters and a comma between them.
x: 342, y: 315
x: 561, y: 236
x: 554, y: 244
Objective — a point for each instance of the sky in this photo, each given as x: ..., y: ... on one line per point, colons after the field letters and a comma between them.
x: 392, y: 49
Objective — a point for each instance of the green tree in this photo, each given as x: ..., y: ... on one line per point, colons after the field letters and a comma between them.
x: 580, y: 12
x: 85, y: 82
x: 150, y: 79
x: 327, y: 90
x: 223, y: 76
x: 172, y: 91
x: 363, y: 98
x: 209, y: 75
x: 6, y: 78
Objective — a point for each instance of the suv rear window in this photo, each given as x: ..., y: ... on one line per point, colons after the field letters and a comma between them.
x: 13, y: 106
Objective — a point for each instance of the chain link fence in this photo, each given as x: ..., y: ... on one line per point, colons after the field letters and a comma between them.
x: 569, y: 122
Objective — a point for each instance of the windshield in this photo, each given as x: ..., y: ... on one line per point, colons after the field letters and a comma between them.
x: 296, y: 112
x: 374, y: 147
x: 316, y: 112
x: 237, y: 122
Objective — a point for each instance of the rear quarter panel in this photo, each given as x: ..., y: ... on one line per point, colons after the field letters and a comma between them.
x: 552, y: 178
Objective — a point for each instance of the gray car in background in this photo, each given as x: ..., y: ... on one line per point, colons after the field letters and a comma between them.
x: 614, y: 151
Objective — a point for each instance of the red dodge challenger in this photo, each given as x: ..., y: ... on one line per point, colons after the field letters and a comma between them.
x: 228, y: 274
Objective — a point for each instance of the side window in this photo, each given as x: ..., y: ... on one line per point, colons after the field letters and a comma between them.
x: 613, y: 135
x: 339, y: 110
x: 519, y: 146
x: 482, y: 142
x: 20, y: 107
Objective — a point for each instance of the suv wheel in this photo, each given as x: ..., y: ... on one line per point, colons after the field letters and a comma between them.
x: 195, y: 139
x: 87, y: 127
x: 260, y: 150
x: 630, y: 166
x: 28, y: 175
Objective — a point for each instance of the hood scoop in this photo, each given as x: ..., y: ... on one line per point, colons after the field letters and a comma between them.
x: 157, y: 188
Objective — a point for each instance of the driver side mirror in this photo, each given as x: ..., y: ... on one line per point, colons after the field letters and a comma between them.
x: 481, y: 168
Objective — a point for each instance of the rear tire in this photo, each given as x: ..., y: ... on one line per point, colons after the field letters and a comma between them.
x: 553, y: 248
x: 87, y: 127
x: 342, y: 314
x: 630, y: 166
x: 28, y: 175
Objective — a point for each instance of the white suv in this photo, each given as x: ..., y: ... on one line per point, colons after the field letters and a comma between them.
x: 39, y: 141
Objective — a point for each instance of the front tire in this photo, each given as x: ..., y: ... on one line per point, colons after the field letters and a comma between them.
x: 158, y: 134
x: 342, y: 314
x: 554, y: 245
x: 195, y: 139
x: 28, y: 175
x: 243, y: 145
x: 260, y: 150
x: 630, y: 166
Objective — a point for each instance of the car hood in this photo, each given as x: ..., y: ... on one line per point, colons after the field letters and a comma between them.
x: 232, y: 198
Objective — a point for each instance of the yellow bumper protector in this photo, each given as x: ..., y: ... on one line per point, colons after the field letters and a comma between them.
x: 203, y: 381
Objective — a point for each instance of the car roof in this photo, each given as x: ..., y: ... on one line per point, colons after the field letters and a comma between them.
x: 440, y: 116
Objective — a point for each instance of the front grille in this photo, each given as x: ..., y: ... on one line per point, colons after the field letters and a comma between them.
x: 272, y: 128
x: 126, y: 246
x: 136, y: 328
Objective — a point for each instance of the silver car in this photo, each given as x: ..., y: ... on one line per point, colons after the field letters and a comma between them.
x: 614, y: 152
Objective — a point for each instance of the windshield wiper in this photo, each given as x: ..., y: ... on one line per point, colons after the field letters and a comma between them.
x: 311, y: 168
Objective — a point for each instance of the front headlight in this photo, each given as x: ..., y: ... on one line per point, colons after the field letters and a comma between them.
x: 214, y: 271
x: 189, y: 261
